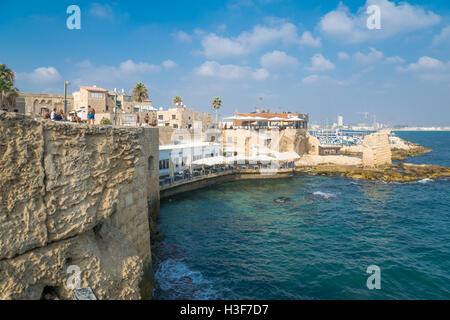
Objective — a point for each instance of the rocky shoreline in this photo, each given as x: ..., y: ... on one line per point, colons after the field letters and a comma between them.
x: 403, y: 172
x: 404, y: 154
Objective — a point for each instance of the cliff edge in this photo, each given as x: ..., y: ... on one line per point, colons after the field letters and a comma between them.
x: 74, y: 195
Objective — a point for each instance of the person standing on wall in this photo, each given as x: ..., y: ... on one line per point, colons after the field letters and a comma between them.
x: 91, y: 115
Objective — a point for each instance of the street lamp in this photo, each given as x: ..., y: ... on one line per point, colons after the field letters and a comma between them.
x: 66, y: 83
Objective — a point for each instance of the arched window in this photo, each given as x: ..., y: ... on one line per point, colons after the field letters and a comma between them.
x: 151, y: 164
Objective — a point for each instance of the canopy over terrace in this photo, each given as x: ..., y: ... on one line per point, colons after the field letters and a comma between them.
x: 261, y: 158
x: 265, y: 119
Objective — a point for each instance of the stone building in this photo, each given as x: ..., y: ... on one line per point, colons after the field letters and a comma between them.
x: 184, y: 118
x: 35, y: 104
x: 262, y: 133
x: 98, y: 98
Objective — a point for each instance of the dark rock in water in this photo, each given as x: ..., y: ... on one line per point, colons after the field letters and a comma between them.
x: 282, y: 199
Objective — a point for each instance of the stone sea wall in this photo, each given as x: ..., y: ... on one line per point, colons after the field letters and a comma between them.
x: 75, y: 195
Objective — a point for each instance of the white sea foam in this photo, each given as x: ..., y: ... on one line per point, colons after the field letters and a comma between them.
x: 174, y: 275
x: 426, y: 180
x: 324, y: 195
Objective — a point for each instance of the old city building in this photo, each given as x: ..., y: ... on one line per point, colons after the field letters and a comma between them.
x: 184, y: 118
x: 35, y: 104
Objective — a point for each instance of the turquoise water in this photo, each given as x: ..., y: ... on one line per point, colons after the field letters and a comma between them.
x: 234, y: 241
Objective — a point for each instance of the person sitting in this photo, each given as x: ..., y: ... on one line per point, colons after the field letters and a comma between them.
x: 58, y: 116
x: 46, y: 114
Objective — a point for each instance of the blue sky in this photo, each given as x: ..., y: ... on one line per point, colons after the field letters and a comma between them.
x: 315, y: 56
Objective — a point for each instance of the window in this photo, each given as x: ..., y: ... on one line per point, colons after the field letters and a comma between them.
x: 161, y: 117
x: 96, y: 95
x: 175, y: 126
x: 163, y: 164
x: 150, y: 163
x: 174, y: 117
x: 229, y: 139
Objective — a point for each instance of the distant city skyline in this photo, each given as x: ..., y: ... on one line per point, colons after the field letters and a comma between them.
x: 316, y: 57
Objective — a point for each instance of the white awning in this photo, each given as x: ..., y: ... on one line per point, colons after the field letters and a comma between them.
x: 212, y: 161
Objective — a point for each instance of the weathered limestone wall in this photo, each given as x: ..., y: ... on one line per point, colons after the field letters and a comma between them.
x: 376, y: 150
x: 246, y: 141
x: 74, y: 195
x: 293, y: 140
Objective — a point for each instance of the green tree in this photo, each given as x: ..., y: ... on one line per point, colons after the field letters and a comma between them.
x: 8, y: 93
x: 140, y: 92
x: 177, y: 100
x: 217, y: 103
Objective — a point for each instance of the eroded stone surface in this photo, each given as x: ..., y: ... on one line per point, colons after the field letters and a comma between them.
x: 108, y: 263
x: 61, y: 181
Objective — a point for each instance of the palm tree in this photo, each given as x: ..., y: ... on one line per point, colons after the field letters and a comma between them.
x: 217, y: 103
x: 8, y: 94
x: 140, y: 93
x: 9, y: 98
x: 6, y: 74
x: 177, y: 100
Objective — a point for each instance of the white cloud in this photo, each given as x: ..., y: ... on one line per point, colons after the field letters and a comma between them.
x: 403, y: 17
x: 372, y: 57
x: 220, y: 47
x: 443, y: 37
x: 101, y: 11
x: 278, y: 60
x: 429, y: 69
x: 395, y: 59
x: 230, y: 72
x: 316, y: 79
x: 424, y: 64
x: 182, y: 36
x: 130, y: 66
x: 215, y: 46
x: 319, y: 63
x: 343, y: 55
x: 43, y: 75
x: 123, y: 75
x: 169, y: 64
x: 308, y: 40
x: 311, y: 79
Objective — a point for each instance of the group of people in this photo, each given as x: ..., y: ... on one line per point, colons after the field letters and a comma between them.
x: 55, y: 115
x: 61, y: 116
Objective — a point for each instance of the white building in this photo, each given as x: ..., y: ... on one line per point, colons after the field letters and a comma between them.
x: 340, y: 121
x: 184, y: 153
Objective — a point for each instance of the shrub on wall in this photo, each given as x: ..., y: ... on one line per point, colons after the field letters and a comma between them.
x: 106, y: 122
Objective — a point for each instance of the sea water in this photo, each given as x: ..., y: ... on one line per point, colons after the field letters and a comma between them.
x: 234, y: 241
